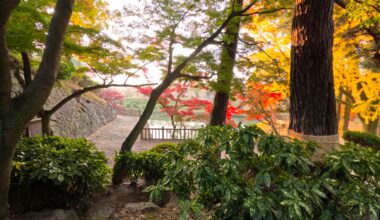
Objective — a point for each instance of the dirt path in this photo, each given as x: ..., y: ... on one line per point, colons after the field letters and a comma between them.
x: 110, y: 137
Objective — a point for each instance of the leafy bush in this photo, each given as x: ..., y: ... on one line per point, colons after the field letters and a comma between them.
x: 133, y: 165
x: 267, y: 177
x: 363, y: 138
x: 163, y: 148
x: 149, y: 164
x: 56, y: 172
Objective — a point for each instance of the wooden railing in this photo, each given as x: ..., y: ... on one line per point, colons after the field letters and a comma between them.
x: 168, y: 133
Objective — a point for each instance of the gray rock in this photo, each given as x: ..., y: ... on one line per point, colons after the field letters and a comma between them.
x: 140, y: 207
x: 57, y: 214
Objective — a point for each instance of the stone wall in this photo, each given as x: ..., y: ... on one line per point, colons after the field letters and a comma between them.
x: 80, y: 117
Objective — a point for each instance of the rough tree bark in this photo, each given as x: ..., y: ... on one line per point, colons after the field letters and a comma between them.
x: 226, y: 69
x: 17, y: 112
x: 312, y: 98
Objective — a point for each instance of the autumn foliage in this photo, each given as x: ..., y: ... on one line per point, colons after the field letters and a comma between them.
x: 114, y: 98
x: 260, y: 102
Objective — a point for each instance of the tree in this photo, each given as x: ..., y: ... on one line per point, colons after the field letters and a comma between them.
x: 16, y: 112
x: 86, y: 47
x: 226, y: 68
x: 362, y: 21
x: 176, y: 103
x: 312, y: 97
x: 114, y: 98
x: 174, y: 70
x: 46, y: 114
x: 177, y: 65
x: 260, y: 102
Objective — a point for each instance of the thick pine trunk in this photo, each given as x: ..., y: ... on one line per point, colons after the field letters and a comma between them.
x: 313, y: 106
x: 226, y: 67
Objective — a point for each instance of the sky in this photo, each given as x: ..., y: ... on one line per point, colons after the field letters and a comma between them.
x: 153, y: 72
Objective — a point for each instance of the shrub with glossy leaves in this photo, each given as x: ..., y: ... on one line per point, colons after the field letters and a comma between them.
x: 56, y: 172
x: 262, y: 176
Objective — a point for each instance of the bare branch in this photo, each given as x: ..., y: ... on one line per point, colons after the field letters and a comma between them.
x: 188, y: 76
x: 268, y: 11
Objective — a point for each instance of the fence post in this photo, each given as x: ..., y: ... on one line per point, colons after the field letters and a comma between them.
x: 184, y: 133
x: 163, y: 133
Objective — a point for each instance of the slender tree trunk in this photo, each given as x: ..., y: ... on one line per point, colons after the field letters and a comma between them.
x: 174, y: 127
x: 312, y: 98
x: 127, y: 145
x: 226, y: 67
x: 219, y: 109
x: 346, y: 115
x: 27, y: 69
x: 339, y: 107
x: 45, y: 123
x: 372, y: 126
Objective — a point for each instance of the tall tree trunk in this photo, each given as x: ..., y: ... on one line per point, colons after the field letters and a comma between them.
x: 17, y: 112
x: 312, y: 98
x: 226, y: 68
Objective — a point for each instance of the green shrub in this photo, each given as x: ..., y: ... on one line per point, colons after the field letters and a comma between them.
x: 56, y: 172
x: 163, y: 148
x: 365, y: 139
x: 133, y: 165
x: 267, y: 177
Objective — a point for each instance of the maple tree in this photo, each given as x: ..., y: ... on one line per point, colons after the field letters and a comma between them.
x: 177, y: 103
x: 114, y: 98
x: 260, y: 102
x: 172, y: 18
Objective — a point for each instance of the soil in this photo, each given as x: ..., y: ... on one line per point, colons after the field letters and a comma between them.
x: 127, y: 202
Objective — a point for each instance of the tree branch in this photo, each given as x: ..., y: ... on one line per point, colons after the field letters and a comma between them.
x: 268, y: 11
x: 209, y: 40
x: 188, y: 76
x: 341, y: 3
x: 36, y: 94
x: 6, y: 7
x: 27, y: 69
x: 88, y: 89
